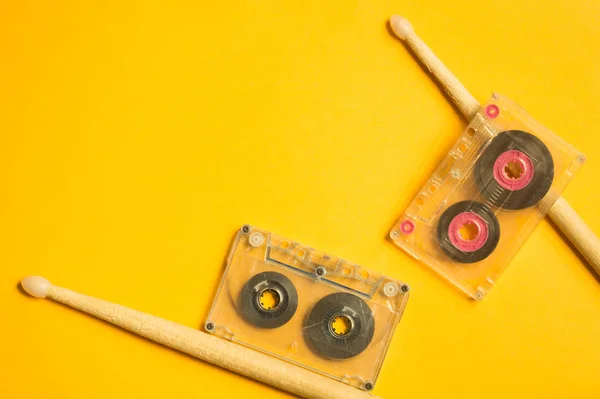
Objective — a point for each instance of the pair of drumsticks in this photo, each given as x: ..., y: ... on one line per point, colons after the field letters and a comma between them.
x: 259, y: 366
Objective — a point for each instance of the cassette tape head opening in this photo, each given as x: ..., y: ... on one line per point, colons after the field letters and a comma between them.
x: 307, y: 307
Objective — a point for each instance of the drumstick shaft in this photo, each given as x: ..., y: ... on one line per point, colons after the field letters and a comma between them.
x: 561, y: 213
x: 579, y: 233
x: 212, y: 349
x: 464, y: 101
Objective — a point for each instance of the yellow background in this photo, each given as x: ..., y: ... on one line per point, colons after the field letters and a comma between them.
x: 137, y: 138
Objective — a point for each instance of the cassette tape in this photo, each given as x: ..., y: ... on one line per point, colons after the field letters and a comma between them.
x: 307, y: 307
x: 486, y: 196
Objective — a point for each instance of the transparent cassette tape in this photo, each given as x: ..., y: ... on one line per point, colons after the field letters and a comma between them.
x: 306, y: 307
x: 486, y: 196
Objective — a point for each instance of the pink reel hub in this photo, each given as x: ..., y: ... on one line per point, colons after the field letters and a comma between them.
x: 459, y: 222
x: 513, y: 170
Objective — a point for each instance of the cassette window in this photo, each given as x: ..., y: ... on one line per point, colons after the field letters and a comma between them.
x: 486, y: 197
x: 306, y: 307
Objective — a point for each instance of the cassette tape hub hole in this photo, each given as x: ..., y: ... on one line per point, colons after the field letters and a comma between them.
x: 340, y: 325
x: 469, y: 231
x: 268, y: 300
x: 459, y: 243
x: 515, y: 171
x: 354, y: 326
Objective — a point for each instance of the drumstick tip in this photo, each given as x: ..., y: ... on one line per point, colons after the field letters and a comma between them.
x: 36, y: 286
x: 401, y: 26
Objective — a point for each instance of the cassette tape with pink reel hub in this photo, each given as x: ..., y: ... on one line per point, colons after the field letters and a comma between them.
x: 487, y: 195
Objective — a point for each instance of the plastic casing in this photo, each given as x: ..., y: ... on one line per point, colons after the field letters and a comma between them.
x: 453, y: 181
x: 288, y: 342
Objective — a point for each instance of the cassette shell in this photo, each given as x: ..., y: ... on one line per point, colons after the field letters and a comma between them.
x: 328, y: 289
x: 505, y: 160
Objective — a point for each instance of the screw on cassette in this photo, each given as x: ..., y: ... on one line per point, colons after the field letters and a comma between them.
x: 468, y: 232
x: 515, y: 171
x: 340, y: 326
x: 268, y: 300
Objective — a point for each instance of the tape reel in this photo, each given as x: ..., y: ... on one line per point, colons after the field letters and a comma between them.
x: 268, y: 300
x: 307, y: 307
x: 487, y: 195
x: 340, y: 326
x: 468, y: 232
x: 515, y: 171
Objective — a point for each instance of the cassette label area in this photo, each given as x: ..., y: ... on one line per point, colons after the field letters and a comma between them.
x: 307, y: 307
x: 486, y: 196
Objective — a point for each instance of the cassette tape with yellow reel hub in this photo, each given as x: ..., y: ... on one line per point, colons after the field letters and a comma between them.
x: 307, y: 307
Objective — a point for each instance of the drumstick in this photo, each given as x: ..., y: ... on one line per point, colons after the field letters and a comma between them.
x: 561, y: 213
x: 209, y: 348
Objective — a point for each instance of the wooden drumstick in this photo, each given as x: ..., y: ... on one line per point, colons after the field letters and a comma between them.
x: 561, y: 213
x: 212, y: 349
